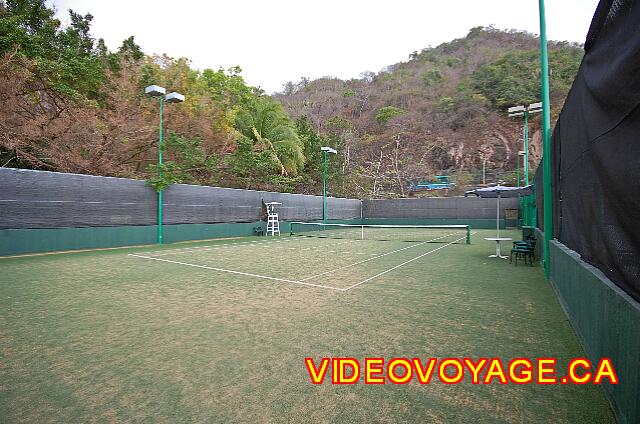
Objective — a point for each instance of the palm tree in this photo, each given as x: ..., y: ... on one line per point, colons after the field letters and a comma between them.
x: 268, y: 127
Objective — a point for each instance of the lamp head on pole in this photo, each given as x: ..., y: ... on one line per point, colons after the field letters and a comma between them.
x: 522, y: 109
x: 535, y: 107
x: 328, y: 150
x: 515, y: 109
x: 174, y: 98
x: 155, y: 91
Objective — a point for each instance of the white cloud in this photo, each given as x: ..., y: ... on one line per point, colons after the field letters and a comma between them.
x: 281, y: 40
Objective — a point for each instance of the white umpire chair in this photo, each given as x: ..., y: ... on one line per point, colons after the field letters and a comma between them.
x: 273, y: 223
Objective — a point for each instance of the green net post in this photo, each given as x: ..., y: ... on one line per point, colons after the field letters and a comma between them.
x: 468, y: 234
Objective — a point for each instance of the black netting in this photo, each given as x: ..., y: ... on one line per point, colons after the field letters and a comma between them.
x: 596, y: 150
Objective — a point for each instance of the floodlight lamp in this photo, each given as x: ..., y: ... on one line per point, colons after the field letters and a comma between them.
x: 155, y: 91
x: 522, y: 153
x: 537, y: 105
x: 328, y: 150
x: 515, y: 109
x: 516, y: 114
x: 174, y: 98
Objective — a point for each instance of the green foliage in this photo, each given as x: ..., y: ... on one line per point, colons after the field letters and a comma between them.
x: 189, y: 159
x: 475, y: 32
x: 250, y: 164
x: 453, y: 62
x: 130, y: 51
x: 514, y: 78
x: 311, y: 143
x: 348, y: 93
x: 446, y: 104
x: 29, y: 26
x: 386, y: 113
x: 267, y: 134
x: 428, y: 55
x: 149, y: 75
x: 338, y: 123
x: 65, y: 57
x: 162, y: 176
x: 107, y: 59
x: 227, y: 87
x: 432, y: 76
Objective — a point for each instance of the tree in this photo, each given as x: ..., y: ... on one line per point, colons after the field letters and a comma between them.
x: 188, y: 162
x: 432, y: 76
x: 130, y: 51
x: 514, y: 78
x: 266, y: 134
x: 386, y: 113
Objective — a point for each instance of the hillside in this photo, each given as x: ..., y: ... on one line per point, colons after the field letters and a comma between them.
x: 441, y: 111
x: 69, y: 104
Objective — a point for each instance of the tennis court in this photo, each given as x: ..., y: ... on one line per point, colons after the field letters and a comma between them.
x: 217, y: 331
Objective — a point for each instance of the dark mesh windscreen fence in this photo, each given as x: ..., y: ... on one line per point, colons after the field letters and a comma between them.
x: 596, y: 150
x: 437, y: 208
x: 37, y: 199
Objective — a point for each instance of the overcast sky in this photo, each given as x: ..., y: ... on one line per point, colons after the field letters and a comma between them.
x: 275, y: 41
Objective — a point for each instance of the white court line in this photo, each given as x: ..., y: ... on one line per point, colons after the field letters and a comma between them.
x: 375, y: 257
x: 212, y: 247
x: 215, y: 246
x: 208, y: 248
x: 323, y: 250
x: 402, y: 264
x: 238, y: 272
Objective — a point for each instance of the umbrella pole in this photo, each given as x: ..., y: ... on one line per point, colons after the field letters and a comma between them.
x: 498, y: 215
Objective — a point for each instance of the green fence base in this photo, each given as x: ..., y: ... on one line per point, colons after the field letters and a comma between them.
x: 22, y: 241
x: 40, y: 240
x: 607, y: 322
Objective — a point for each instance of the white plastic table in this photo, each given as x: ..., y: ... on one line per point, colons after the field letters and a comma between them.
x: 498, y: 240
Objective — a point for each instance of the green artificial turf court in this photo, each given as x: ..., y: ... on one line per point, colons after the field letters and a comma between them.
x: 217, y: 331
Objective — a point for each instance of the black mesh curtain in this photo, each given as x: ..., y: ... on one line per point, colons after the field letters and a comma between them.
x: 596, y: 150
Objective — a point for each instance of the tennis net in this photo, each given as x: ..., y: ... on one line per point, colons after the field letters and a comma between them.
x: 412, y: 233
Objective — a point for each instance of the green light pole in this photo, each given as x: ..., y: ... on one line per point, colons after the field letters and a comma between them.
x: 159, y: 92
x: 546, y: 142
x: 525, y: 111
x: 525, y: 135
x: 518, y: 170
x: 325, y: 150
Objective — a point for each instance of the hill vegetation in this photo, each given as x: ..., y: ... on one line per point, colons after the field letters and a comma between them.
x: 69, y: 104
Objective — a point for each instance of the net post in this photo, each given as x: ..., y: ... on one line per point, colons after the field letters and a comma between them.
x: 468, y: 234
x: 362, y: 232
